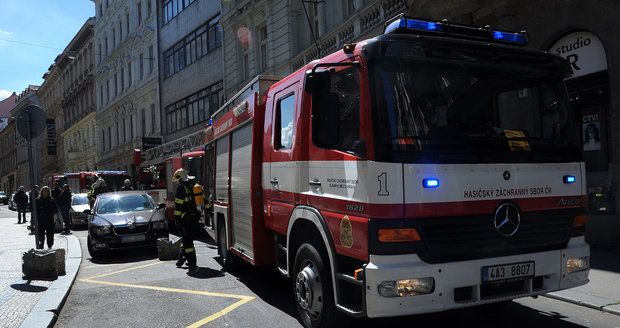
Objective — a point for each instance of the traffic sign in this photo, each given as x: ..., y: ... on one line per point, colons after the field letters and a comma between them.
x: 31, y: 119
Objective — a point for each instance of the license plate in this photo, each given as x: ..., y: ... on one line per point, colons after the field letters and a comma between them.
x: 133, y: 239
x: 504, y: 272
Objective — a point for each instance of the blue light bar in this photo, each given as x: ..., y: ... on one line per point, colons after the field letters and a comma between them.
x: 402, y: 25
x: 414, y: 25
x: 568, y: 179
x: 430, y: 183
x: 511, y: 37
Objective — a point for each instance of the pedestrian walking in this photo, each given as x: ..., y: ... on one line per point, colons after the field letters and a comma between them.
x: 45, y: 218
x: 186, y: 218
x: 127, y: 185
x: 64, y: 204
x: 56, y: 191
x: 21, y: 200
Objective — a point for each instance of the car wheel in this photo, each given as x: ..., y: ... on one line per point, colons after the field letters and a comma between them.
x: 95, y: 255
x: 312, y: 288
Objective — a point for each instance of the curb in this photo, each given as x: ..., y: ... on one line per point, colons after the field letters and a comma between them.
x: 45, y: 312
x: 610, y: 308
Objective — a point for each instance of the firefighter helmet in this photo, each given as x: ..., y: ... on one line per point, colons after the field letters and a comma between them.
x: 181, y: 174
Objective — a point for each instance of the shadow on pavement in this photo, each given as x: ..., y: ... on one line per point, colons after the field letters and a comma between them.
x: 606, y: 261
x: 27, y: 287
x: 205, y: 273
x: 126, y: 256
x: 267, y: 284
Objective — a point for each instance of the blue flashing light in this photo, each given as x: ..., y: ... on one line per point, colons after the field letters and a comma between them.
x: 210, y: 122
x: 413, y: 24
x: 569, y: 179
x: 510, y: 37
x: 430, y: 183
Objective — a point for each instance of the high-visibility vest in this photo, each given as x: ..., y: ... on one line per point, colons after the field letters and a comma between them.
x: 199, y: 195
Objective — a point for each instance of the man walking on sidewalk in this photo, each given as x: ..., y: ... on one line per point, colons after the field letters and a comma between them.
x: 21, y: 200
x: 64, y: 204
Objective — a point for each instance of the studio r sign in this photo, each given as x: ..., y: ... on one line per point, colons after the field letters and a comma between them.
x: 583, y: 51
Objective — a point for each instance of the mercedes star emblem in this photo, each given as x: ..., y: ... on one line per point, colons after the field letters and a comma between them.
x: 507, y: 219
x: 506, y: 175
x: 131, y: 223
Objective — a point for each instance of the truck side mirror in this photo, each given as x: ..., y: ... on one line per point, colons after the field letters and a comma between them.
x: 318, y: 82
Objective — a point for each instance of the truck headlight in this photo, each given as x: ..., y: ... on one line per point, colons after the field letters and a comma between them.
x: 406, y: 287
x: 577, y: 264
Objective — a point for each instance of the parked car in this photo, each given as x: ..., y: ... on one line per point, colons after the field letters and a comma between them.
x: 13, y: 204
x: 79, y: 203
x: 128, y: 219
x: 4, y: 199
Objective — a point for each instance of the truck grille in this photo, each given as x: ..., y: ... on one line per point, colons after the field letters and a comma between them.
x: 124, y: 230
x: 466, y: 238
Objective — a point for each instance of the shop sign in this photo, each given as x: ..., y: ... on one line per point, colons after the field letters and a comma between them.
x: 583, y: 51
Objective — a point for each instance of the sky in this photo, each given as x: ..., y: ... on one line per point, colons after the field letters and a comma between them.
x: 48, y: 25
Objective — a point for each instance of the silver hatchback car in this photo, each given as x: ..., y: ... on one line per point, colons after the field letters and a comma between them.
x: 122, y: 220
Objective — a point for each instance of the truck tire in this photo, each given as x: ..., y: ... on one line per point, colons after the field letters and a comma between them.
x: 229, y: 260
x: 312, y: 288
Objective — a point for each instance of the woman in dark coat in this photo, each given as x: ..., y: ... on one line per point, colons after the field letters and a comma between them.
x: 46, y: 208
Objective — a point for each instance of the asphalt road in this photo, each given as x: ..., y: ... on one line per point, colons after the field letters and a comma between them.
x: 135, y: 289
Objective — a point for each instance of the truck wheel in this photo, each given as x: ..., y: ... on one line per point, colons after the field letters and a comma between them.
x: 229, y: 260
x: 95, y: 255
x: 312, y: 288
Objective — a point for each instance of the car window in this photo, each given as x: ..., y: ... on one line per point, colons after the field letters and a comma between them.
x: 79, y: 200
x: 2, y: 193
x: 123, y: 204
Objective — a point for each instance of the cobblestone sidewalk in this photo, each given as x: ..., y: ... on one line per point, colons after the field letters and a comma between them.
x: 18, y: 296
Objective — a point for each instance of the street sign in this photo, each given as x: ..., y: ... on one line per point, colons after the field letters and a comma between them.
x: 36, y: 116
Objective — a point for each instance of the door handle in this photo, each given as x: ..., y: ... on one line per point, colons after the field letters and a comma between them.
x: 274, y: 181
x: 315, y: 183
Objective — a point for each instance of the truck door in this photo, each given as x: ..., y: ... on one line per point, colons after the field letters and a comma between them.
x: 283, y: 173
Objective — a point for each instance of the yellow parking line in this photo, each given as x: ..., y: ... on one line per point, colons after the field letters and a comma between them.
x: 242, y: 298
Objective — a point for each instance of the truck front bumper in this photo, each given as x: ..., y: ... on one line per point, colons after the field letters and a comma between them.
x: 455, y: 279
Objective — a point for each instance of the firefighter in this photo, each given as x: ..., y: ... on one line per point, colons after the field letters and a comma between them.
x: 186, y: 217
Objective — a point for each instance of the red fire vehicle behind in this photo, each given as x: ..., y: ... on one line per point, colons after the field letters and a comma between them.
x: 80, y: 182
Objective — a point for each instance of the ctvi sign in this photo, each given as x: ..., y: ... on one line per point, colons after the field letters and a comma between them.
x: 583, y: 50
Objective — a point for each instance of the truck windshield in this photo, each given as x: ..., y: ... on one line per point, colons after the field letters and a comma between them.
x: 433, y: 111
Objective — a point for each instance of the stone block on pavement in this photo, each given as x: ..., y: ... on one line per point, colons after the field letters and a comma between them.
x: 42, y: 264
x: 168, y: 250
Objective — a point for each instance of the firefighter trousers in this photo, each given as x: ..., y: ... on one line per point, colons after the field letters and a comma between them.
x: 187, y: 242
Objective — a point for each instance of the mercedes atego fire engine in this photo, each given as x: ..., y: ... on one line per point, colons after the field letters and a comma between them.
x: 436, y: 166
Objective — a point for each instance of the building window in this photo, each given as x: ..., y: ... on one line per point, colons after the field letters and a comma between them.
x: 139, y: 13
x: 115, y: 85
x: 171, y: 8
x: 107, y: 91
x: 113, y: 38
x: 100, y: 10
x: 192, y: 47
x: 313, y: 12
x: 128, y: 74
x: 120, y: 30
x: 153, y: 118
x: 141, y: 66
x: 348, y: 7
x: 127, y: 22
x: 131, y: 127
x: 262, y: 47
x: 109, y: 137
x: 143, y: 122
x: 106, y: 45
x: 122, y: 79
x: 245, y: 60
x: 151, y: 60
x: 101, y: 95
x: 149, y: 8
x: 194, y: 109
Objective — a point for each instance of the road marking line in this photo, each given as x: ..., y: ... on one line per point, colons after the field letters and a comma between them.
x: 124, y: 270
x: 242, y: 298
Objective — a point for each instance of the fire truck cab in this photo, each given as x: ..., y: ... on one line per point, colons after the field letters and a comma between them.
x: 436, y: 166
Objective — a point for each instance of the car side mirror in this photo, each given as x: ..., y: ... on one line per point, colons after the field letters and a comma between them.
x: 89, y: 212
x: 161, y: 206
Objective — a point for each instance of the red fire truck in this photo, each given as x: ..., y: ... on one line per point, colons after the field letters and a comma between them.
x: 80, y: 182
x: 436, y: 166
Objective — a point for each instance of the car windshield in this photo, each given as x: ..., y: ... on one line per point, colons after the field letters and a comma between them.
x: 2, y: 193
x: 459, y: 111
x: 79, y: 200
x: 123, y: 203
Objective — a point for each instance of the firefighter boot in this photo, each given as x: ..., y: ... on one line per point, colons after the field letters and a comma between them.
x: 191, y: 261
x: 182, y: 258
